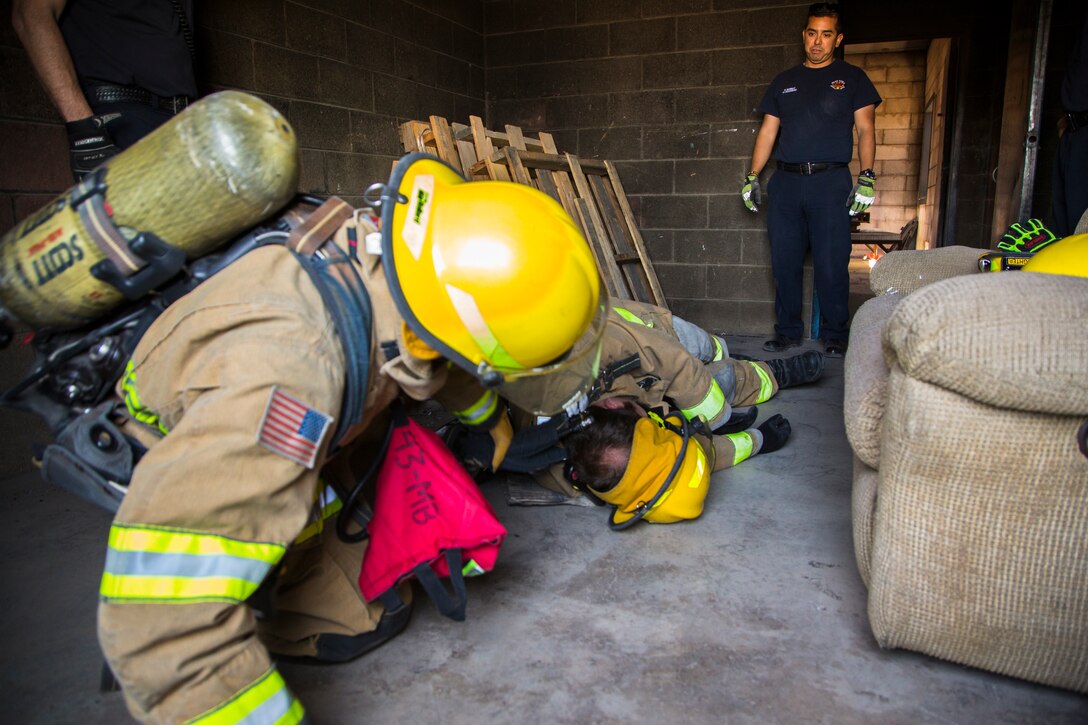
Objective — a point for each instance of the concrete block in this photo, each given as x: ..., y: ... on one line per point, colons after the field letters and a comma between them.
x: 739, y: 282
x: 284, y: 72
x: 676, y: 70
x: 503, y: 82
x: 369, y: 48
x: 395, y: 96
x: 344, y: 85
x: 676, y: 142
x: 747, y: 66
x: 35, y: 157
x: 606, y: 11
x: 892, y: 120
x: 500, y: 16
x: 645, y: 107
x: 576, y: 43
x: 437, y: 102
x: 888, y: 91
x: 415, y: 63
x: 606, y: 75
x: 733, y: 140
x: 894, y: 106
x: 727, y: 211
x: 527, y: 114
x: 7, y: 213
x: 711, y: 30
x: 774, y: 26
x: 655, y: 8
x: 707, y: 246
x: 21, y: 95
x: 646, y: 177
x: 682, y: 280
x: 640, y: 37
x: 314, y: 32
x: 319, y: 126
x: 537, y: 15
x: 247, y: 18
x: 753, y: 318
x: 375, y: 134
x: 659, y: 245
x: 228, y: 60
x: 899, y: 136
x: 674, y: 212
x: 720, y: 103
x: 907, y: 73
x: 552, y: 79
x: 518, y: 49
x: 453, y: 75
x: 467, y: 45
x: 755, y: 248
x: 612, y: 143
x: 428, y: 30
x: 311, y: 178
x: 704, y: 176
x: 576, y: 111
x: 351, y: 174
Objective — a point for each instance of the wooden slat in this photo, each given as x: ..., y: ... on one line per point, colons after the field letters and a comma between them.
x: 613, y: 280
x: 485, y: 150
x: 636, y: 236
x: 517, y: 169
x: 443, y: 141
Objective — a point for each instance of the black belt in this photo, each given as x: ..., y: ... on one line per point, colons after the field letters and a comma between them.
x: 133, y: 94
x: 1077, y: 120
x: 810, y: 168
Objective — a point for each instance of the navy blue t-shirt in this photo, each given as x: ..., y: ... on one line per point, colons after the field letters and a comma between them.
x: 816, y: 109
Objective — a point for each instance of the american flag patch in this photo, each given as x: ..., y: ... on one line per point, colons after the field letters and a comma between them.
x: 292, y: 429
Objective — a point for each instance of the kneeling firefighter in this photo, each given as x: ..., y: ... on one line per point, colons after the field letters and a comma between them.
x: 251, y: 400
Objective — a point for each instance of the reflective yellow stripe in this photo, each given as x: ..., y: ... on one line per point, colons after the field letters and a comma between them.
x: 164, y: 565
x: 479, y: 411
x: 265, y: 701
x: 132, y: 401
x: 719, y: 353
x: 632, y: 317
x: 766, y: 385
x: 742, y: 446
x: 330, y: 505
x: 710, y: 407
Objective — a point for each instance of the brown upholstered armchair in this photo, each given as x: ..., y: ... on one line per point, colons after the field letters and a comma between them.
x: 964, y: 394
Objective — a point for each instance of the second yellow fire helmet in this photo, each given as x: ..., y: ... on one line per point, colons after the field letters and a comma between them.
x: 667, y: 476
x: 497, y: 278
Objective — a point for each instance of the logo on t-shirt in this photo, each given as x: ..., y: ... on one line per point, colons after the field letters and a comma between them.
x: 838, y: 85
x: 791, y: 89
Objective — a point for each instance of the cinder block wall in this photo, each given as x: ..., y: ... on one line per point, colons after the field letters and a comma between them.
x: 667, y: 89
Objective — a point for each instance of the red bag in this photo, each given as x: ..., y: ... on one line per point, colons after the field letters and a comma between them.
x: 430, y: 521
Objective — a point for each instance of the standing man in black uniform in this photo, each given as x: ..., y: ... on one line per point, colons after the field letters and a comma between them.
x: 114, y: 69
x: 812, y: 110
x: 1071, y: 164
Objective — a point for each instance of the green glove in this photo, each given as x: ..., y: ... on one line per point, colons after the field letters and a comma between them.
x: 1026, y: 239
x: 863, y: 195
x: 751, y: 193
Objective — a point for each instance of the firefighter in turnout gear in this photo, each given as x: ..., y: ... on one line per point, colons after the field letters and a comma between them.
x: 261, y: 394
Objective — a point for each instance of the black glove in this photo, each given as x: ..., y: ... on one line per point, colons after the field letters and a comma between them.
x: 532, y: 449
x: 89, y: 144
x: 775, y: 430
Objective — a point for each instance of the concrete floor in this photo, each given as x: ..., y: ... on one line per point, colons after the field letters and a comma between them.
x: 754, y: 613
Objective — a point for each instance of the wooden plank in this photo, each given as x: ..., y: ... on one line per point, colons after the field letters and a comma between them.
x: 411, y: 135
x: 485, y: 151
x: 517, y: 169
x: 515, y: 138
x: 443, y: 141
x: 636, y: 236
x: 614, y: 281
x: 611, y: 282
x: 622, y: 251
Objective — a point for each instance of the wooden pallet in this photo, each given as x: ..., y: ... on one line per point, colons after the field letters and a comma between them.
x: 588, y: 189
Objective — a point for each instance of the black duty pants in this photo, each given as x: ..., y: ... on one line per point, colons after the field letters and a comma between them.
x: 810, y: 212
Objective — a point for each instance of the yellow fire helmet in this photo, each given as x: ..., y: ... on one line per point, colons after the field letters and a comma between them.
x: 1065, y: 256
x: 666, y: 479
x: 495, y: 277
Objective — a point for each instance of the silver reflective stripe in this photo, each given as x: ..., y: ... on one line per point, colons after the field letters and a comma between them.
x: 146, y: 563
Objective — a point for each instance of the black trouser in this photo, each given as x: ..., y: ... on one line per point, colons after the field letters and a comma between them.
x: 809, y: 212
x: 136, y: 120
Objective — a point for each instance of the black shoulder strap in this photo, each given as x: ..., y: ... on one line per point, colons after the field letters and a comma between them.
x: 345, y: 297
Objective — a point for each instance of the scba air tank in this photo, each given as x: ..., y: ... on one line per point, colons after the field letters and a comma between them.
x: 217, y: 168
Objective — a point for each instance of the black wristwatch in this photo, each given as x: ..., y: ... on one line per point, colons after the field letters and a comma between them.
x: 868, y: 174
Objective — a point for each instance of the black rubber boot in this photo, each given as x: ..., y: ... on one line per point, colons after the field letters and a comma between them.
x: 739, y: 419
x: 799, y: 369
x: 776, y: 431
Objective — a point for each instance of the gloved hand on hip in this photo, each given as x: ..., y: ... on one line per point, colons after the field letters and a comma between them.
x: 862, y: 195
x: 751, y: 193
x: 89, y: 144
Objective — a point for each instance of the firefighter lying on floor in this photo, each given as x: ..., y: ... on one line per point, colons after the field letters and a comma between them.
x: 658, y: 360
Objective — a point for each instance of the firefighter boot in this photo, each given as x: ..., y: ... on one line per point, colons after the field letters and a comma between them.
x: 798, y: 370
